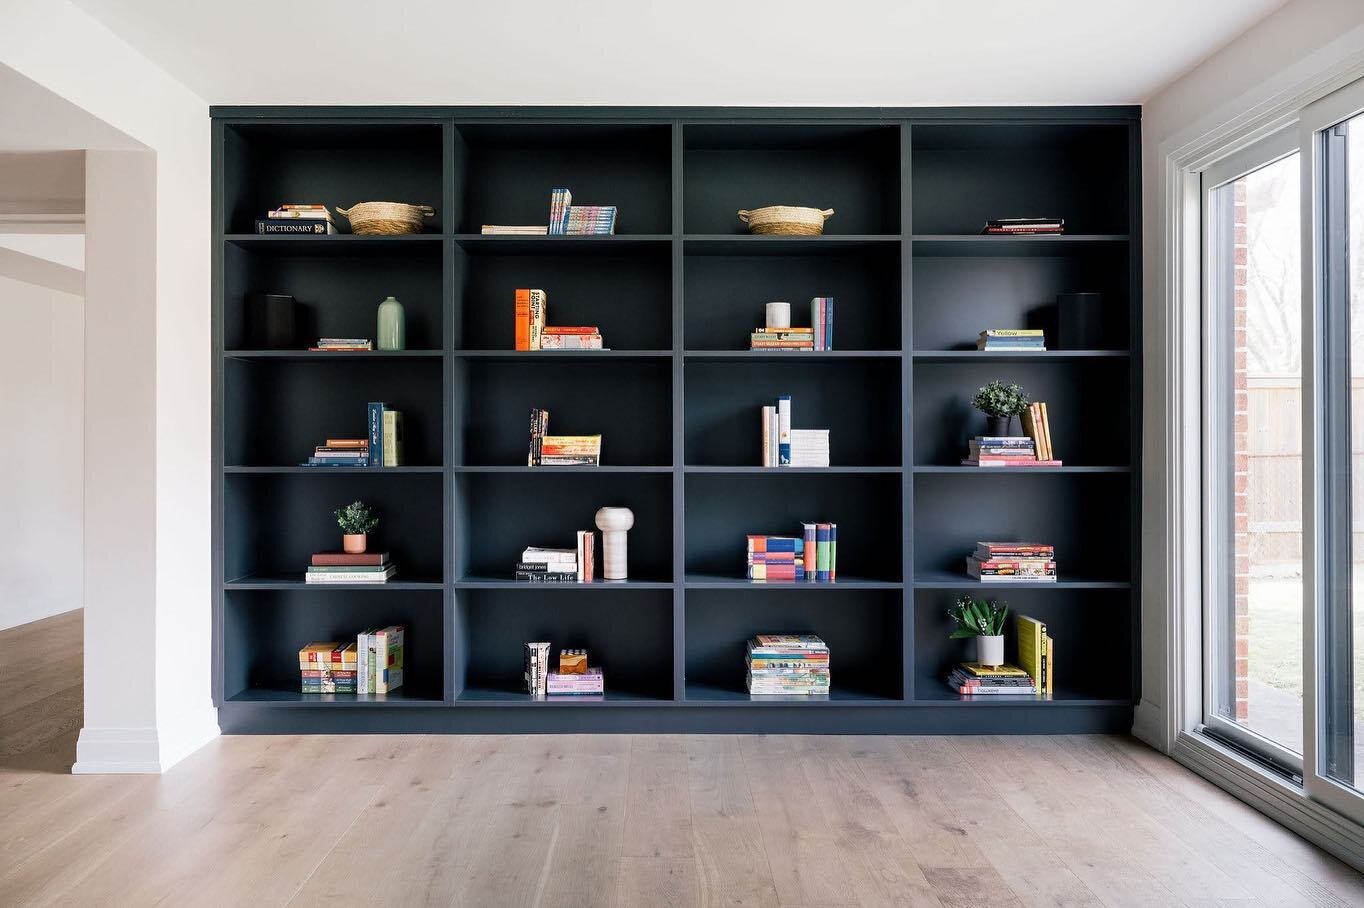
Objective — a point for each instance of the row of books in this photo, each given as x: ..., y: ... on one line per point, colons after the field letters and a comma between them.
x: 372, y: 664
x: 1012, y: 562
x: 1022, y: 340
x: 1024, y: 226
x: 1037, y: 424
x: 819, y: 336
x: 549, y: 565
x: 575, y: 678
x: 787, y: 664
x: 307, y: 220
x: 531, y: 311
x: 568, y: 219
x: 342, y: 345
x: 783, y: 446
x: 347, y: 567
x: 559, y: 450
x: 811, y: 557
x: 1005, y: 451
x: 1035, y: 673
x: 384, y: 446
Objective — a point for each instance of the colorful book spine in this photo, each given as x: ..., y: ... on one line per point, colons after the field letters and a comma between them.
x: 375, y: 411
x: 538, y: 303
x: 394, y: 451
x: 810, y: 539
x: 784, y: 430
x: 758, y: 543
x: 539, y: 424
x: 522, y: 319
x: 833, y: 553
x: 822, y: 552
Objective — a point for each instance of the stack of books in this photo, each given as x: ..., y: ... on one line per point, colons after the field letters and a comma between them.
x: 381, y: 659
x: 1036, y: 653
x: 1012, y: 562
x: 770, y: 338
x: 509, y: 230
x: 1024, y: 226
x: 532, y: 333
x: 344, y: 567
x: 972, y: 679
x: 342, y: 345
x: 328, y: 668
x: 560, y: 450
x: 546, y: 565
x: 1019, y: 340
x: 783, y: 446
x: 567, y: 219
x: 574, y: 677
x: 810, y: 558
x: 1037, y: 423
x: 1004, y: 451
x: 788, y: 664
x: 340, y: 452
x: 308, y: 220
x: 822, y: 318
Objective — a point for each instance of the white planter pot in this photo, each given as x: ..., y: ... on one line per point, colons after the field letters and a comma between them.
x: 990, y: 650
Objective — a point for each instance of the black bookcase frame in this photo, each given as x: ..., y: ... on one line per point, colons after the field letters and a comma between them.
x: 675, y: 292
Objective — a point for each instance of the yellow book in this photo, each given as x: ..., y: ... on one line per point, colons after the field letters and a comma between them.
x: 1051, y: 666
x: 394, y: 451
x: 1032, y: 650
x: 1046, y: 430
x: 1030, y: 426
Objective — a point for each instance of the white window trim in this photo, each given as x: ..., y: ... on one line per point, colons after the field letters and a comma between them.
x: 1171, y: 707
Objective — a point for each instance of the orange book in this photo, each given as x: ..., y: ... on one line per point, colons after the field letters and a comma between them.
x: 523, y: 319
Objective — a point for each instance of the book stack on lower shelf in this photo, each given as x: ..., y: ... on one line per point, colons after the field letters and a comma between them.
x: 1015, y: 340
x: 809, y: 558
x: 532, y: 333
x: 550, y: 565
x: 328, y: 668
x: 787, y: 664
x: 783, y: 446
x: 560, y: 450
x: 340, y: 452
x: 1012, y: 562
x: 342, y: 345
x: 575, y: 678
x: 1024, y: 226
x: 347, y: 567
x: 974, y: 679
x: 818, y: 336
x: 1004, y: 451
x: 296, y: 220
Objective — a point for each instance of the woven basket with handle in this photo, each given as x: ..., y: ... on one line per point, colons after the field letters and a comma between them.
x: 785, y: 220
x: 386, y: 218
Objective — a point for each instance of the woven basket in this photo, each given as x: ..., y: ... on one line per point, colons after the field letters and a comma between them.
x: 386, y: 218
x: 784, y: 220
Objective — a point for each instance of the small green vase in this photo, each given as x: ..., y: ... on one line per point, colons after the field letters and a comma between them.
x: 392, y: 325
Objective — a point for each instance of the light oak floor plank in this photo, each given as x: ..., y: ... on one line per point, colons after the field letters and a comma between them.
x: 588, y: 820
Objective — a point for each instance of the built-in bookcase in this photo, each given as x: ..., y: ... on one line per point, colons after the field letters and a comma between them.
x: 676, y: 398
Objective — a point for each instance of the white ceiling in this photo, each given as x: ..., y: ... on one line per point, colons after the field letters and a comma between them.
x: 735, y: 52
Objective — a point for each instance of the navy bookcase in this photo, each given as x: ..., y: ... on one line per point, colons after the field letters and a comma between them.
x: 676, y: 292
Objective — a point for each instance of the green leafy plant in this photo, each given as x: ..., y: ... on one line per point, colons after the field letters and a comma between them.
x: 977, y: 618
x: 1000, y: 400
x: 356, y: 518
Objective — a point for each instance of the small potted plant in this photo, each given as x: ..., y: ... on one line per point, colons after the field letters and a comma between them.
x: 356, y: 520
x: 984, y: 621
x: 1000, y: 403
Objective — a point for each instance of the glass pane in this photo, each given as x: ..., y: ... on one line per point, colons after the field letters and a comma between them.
x: 1260, y: 673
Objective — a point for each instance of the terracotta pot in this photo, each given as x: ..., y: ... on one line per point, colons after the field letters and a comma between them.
x: 354, y: 543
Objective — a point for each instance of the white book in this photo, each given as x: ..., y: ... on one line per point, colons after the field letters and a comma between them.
x: 769, y: 415
x: 784, y: 431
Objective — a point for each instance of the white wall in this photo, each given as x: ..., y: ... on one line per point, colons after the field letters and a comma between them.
x: 41, y: 460
x: 1255, y: 74
x: 127, y: 726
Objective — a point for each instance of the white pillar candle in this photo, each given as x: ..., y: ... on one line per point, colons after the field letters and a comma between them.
x: 778, y: 315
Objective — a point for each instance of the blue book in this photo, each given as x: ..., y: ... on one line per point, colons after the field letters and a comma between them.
x: 784, y: 430
x: 828, y: 323
x: 777, y: 543
x: 376, y: 432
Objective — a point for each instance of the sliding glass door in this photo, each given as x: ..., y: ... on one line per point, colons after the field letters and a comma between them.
x: 1253, y: 389
x: 1333, y: 131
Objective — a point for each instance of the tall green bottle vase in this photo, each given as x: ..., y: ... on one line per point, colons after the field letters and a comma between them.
x: 392, y: 325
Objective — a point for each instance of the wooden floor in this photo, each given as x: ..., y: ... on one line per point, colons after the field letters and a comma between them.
x: 620, y: 820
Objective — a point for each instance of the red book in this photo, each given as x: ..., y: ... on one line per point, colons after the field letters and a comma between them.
x: 344, y: 559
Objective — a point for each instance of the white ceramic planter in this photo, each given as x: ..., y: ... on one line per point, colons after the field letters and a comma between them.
x: 613, y: 523
x: 990, y: 650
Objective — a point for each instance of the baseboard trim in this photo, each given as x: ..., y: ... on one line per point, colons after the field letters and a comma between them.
x: 1149, y: 726
x: 1277, y: 799
x: 117, y: 750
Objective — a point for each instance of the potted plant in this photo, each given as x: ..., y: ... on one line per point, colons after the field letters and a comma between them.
x: 356, y: 520
x: 984, y: 621
x: 1000, y: 403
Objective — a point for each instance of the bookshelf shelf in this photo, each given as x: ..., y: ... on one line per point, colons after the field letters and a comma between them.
x: 676, y: 292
